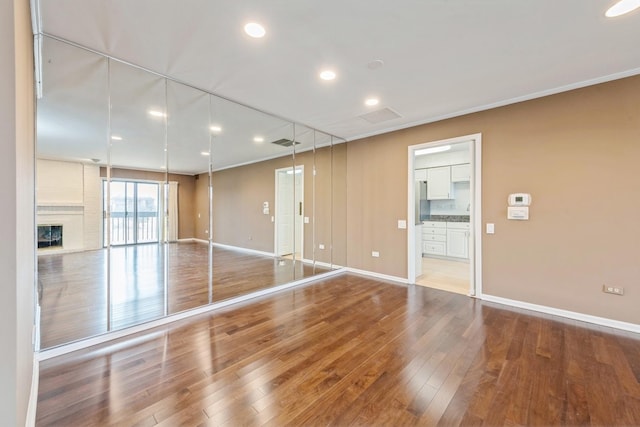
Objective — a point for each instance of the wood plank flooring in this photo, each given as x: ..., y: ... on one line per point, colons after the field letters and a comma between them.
x: 73, y: 287
x: 352, y: 351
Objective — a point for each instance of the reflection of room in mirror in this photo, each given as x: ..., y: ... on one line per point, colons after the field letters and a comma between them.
x: 159, y: 190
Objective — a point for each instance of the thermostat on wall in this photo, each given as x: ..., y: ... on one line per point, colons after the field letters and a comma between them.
x: 519, y: 199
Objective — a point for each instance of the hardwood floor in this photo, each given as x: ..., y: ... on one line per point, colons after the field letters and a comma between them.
x: 73, y: 287
x: 352, y: 351
x: 446, y: 275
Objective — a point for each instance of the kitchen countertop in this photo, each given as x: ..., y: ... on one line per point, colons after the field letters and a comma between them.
x: 447, y: 218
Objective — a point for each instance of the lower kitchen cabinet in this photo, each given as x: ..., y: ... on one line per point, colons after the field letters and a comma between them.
x: 458, y: 240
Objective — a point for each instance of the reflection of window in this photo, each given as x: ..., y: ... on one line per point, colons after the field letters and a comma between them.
x: 133, y: 212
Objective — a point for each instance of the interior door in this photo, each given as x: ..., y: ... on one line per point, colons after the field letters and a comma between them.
x: 284, y: 212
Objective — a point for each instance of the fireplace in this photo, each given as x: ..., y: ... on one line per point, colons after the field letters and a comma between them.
x: 50, y: 236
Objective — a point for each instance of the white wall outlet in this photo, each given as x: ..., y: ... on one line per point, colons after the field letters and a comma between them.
x: 615, y: 290
x: 273, y: 219
x: 320, y: 246
x: 375, y: 254
x: 306, y: 220
x: 491, y: 228
x: 402, y: 224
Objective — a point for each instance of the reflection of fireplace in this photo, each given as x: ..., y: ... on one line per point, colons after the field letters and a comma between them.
x: 50, y: 236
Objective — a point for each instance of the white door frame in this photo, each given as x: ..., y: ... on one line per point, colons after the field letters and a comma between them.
x: 475, y: 248
x: 296, y: 239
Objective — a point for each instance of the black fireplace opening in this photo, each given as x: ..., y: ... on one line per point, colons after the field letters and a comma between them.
x: 50, y: 236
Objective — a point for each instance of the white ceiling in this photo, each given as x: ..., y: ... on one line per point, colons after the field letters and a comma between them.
x: 442, y: 58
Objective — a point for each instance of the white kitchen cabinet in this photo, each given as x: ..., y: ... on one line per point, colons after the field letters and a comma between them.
x: 458, y: 239
x: 420, y: 174
x: 461, y: 173
x: 439, y: 183
x: 434, y: 238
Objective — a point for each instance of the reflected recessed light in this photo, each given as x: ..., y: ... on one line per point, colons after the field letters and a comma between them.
x: 156, y: 113
x: 432, y: 150
x: 204, y: 153
x: 327, y: 75
x: 371, y: 101
x: 622, y: 7
x: 254, y: 30
x: 258, y: 139
x: 116, y: 138
x: 215, y: 128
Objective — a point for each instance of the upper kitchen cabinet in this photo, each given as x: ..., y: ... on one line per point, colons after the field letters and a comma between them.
x: 439, y: 183
x: 461, y: 173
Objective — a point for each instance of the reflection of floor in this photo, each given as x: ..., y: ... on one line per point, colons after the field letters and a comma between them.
x: 452, y: 276
x: 351, y: 351
x: 73, y: 291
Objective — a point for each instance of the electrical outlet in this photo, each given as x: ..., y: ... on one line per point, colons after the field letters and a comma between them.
x: 615, y: 290
x: 320, y: 246
x: 375, y: 254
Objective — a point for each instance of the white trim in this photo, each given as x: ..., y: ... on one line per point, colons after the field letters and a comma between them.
x: 603, y: 321
x: 475, y: 250
x: 377, y: 275
x: 320, y: 263
x: 238, y: 248
x: 527, y: 97
x: 109, y: 336
x: 33, y: 396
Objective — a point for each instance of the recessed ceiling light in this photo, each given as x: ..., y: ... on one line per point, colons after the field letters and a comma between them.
x: 370, y: 102
x: 116, y: 138
x: 327, y: 75
x: 622, y: 7
x: 156, y: 113
x: 254, y: 30
x: 433, y: 150
x: 258, y: 139
x: 215, y: 128
x: 204, y: 153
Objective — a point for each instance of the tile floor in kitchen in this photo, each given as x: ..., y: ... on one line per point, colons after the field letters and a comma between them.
x: 447, y: 275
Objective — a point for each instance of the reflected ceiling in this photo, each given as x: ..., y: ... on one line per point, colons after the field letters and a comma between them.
x: 441, y: 58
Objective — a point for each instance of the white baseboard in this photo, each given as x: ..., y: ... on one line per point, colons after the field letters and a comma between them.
x: 33, y: 395
x: 238, y: 248
x: 603, y: 321
x: 378, y: 275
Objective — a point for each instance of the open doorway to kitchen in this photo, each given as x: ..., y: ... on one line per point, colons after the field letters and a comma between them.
x: 444, y: 215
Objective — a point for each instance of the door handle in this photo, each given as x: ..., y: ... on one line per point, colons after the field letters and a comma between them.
x: 300, y: 208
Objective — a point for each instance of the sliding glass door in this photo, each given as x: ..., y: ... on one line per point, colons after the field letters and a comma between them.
x: 133, y: 210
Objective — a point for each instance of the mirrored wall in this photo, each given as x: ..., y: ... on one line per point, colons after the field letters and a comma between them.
x: 154, y: 197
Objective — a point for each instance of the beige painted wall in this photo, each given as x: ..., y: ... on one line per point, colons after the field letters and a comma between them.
x: 238, y: 195
x: 186, y: 195
x: 577, y: 153
x: 17, y: 189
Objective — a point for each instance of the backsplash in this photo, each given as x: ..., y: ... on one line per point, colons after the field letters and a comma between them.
x: 457, y: 206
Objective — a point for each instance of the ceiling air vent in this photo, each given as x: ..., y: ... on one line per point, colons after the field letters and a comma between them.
x: 285, y: 142
x: 381, y: 115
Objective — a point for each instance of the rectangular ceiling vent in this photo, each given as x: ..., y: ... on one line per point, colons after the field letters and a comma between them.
x: 381, y: 115
x: 285, y: 142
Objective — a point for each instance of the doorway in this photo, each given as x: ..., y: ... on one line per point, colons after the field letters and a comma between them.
x: 289, y: 212
x: 444, y: 194
x: 133, y: 212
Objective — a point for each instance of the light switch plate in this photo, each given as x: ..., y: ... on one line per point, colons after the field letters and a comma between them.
x: 491, y: 228
x: 402, y: 224
x: 306, y: 220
